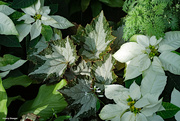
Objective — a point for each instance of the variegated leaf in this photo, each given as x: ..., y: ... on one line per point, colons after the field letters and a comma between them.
x: 97, y: 38
x: 103, y: 71
x: 57, y: 56
x: 82, y: 69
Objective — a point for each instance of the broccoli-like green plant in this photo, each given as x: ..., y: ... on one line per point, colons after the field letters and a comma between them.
x: 150, y: 17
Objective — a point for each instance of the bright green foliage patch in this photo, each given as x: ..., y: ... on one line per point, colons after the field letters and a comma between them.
x: 150, y: 17
x: 47, y: 100
x: 47, y: 32
x: 3, y: 102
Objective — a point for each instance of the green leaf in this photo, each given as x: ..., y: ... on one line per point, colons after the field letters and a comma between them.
x: 8, y: 59
x: 57, y: 34
x: 62, y: 118
x: 176, y: 52
x: 96, y: 8
x: 13, y: 81
x: 137, y: 80
x: 84, y: 4
x: 113, y: 3
x: 7, y: 26
x: 23, y: 3
x: 4, y: 3
x: 10, y: 99
x: 3, y: 102
x: 8, y: 63
x: 48, y: 98
x: 39, y: 47
x: 47, y: 32
x: 175, y: 97
x: 12, y: 66
x: 98, y: 105
x: 32, y: 43
x: 103, y: 71
x: 82, y: 94
x: 15, y: 16
x: 61, y: 53
x: 74, y: 6
x: 170, y: 110
x: 97, y: 38
x: 80, y: 35
x: 9, y: 41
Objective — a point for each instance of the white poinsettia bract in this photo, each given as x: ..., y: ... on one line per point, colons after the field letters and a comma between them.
x: 7, y: 26
x: 130, y: 104
x: 146, y: 50
x: 175, y: 97
x: 36, y: 15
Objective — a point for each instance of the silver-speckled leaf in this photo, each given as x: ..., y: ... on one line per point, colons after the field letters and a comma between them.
x: 82, y: 94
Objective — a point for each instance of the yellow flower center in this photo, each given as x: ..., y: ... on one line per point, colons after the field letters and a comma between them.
x: 153, y: 52
x: 37, y: 17
x: 132, y: 108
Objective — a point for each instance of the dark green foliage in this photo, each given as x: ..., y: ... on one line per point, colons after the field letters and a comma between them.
x: 54, y: 8
x: 9, y: 41
x: 113, y: 3
x: 170, y: 110
x: 22, y: 3
x: 84, y: 4
x: 96, y: 8
x: 137, y: 80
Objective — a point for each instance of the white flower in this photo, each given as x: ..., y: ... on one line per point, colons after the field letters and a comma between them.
x: 37, y: 15
x: 139, y: 55
x: 7, y: 26
x: 175, y: 99
x: 130, y: 105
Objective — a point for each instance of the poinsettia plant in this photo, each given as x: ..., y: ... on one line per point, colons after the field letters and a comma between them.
x: 126, y: 69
